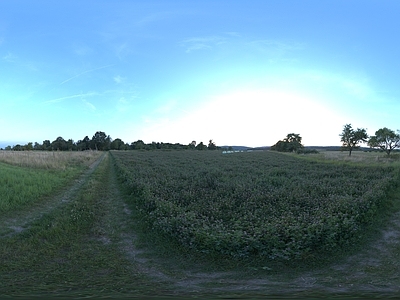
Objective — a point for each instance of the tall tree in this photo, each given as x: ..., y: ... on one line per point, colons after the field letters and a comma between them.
x: 100, y: 141
x: 385, y: 139
x: 59, y: 144
x: 211, y: 145
x: 351, y: 138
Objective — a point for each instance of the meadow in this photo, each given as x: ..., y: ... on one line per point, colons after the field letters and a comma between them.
x: 199, y: 224
x: 263, y: 204
x: 26, y: 177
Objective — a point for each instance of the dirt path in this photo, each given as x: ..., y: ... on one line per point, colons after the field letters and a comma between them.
x: 20, y: 220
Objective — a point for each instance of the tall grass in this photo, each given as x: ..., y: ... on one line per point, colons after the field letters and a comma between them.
x: 28, y: 177
x: 48, y: 160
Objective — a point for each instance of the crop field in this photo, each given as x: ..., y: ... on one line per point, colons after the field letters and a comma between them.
x: 199, y: 224
x: 262, y: 204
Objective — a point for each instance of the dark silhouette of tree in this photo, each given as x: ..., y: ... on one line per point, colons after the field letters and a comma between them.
x: 351, y: 138
x: 211, y: 145
x: 385, y: 139
x: 201, y: 146
x: 59, y: 144
x: 100, y: 141
x: 117, y: 144
x: 292, y: 143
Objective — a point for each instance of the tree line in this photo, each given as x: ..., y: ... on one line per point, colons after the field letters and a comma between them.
x: 103, y: 142
x: 385, y: 139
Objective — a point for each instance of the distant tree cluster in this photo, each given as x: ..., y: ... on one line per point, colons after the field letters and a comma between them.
x: 384, y: 139
x: 292, y: 143
x: 103, y: 142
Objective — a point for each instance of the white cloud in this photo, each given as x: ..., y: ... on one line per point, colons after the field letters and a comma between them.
x: 276, y: 48
x: 82, y: 50
x: 56, y: 100
x: 118, y: 79
x: 11, y: 58
x: 89, y: 105
x: 202, y: 43
x: 84, y: 72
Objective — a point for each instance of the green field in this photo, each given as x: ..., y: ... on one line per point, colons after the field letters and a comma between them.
x: 262, y: 204
x: 199, y: 224
x: 27, y: 178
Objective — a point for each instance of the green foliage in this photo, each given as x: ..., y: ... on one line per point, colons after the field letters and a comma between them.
x: 292, y: 143
x: 254, y: 204
x: 385, y: 139
x: 201, y: 146
x: 351, y: 138
x: 211, y: 145
x: 100, y: 141
x: 307, y: 151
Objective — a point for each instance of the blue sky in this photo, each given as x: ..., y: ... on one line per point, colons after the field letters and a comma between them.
x: 238, y: 72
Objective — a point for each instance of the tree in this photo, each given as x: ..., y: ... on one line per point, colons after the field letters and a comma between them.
x: 350, y: 138
x: 100, y: 141
x: 117, y: 144
x: 46, y: 145
x: 385, y: 139
x: 138, y: 145
x: 192, y: 145
x: 291, y: 143
x: 37, y: 146
x: 59, y: 144
x: 211, y: 145
x: 201, y: 146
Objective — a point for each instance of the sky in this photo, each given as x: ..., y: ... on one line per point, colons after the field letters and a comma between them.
x: 238, y: 72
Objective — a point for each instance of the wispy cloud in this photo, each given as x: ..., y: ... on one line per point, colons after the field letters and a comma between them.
x: 276, y: 47
x: 82, y: 50
x: 202, y: 43
x: 155, y: 17
x: 84, y: 72
x: 118, y: 79
x: 57, y: 100
x: 9, y: 57
x: 89, y: 105
x: 14, y: 59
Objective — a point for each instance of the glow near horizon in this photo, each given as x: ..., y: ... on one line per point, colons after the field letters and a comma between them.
x: 177, y: 71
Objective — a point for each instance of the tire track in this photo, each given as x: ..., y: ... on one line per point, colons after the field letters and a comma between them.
x: 21, y: 219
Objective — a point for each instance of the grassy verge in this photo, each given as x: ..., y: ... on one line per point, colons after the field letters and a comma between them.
x: 70, y: 253
x: 20, y: 186
x: 29, y: 177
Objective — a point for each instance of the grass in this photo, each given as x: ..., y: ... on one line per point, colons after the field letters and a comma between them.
x: 29, y: 177
x: 52, y: 160
x: 98, y: 244
x: 66, y: 252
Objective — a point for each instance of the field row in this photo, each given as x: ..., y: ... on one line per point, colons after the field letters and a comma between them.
x: 255, y: 204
